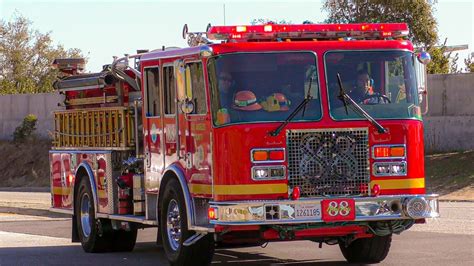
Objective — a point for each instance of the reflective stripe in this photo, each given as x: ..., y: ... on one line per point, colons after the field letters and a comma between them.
x: 239, y: 189
x: 62, y: 191
x: 66, y: 191
x: 400, y: 183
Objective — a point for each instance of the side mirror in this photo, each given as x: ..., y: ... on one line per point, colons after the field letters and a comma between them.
x: 423, y: 57
x: 187, y: 106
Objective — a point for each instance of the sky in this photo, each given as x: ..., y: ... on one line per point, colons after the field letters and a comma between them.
x: 106, y: 28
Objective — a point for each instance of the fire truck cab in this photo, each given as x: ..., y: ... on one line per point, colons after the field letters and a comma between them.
x: 253, y: 134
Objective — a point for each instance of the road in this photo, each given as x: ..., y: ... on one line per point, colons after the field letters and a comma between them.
x: 40, y: 240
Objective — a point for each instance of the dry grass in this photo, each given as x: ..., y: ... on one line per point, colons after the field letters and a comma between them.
x: 449, y: 172
x: 25, y: 165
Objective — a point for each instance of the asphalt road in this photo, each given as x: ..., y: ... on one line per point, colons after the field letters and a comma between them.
x: 37, y: 240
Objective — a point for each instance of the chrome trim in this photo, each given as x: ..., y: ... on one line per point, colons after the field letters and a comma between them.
x: 388, y: 163
x: 388, y: 145
x: 267, y: 149
x: 269, y: 177
x: 91, y: 176
x: 60, y: 210
x: 270, y: 52
x: 367, y: 209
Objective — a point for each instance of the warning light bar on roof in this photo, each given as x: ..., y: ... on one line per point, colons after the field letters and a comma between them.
x: 272, y: 32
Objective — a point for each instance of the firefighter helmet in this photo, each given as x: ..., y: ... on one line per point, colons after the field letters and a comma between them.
x: 246, y: 100
x: 276, y: 102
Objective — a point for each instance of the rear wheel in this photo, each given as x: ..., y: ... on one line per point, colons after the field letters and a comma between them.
x: 367, y: 250
x: 174, y: 231
x: 92, y: 239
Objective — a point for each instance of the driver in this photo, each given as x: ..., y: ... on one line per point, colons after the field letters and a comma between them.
x: 363, y: 92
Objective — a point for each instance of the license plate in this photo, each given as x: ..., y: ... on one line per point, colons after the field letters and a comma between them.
x: 308, y: 211
x: 335, y: 210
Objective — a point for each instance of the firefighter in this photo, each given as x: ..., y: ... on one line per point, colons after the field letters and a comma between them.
x: 363, y: 91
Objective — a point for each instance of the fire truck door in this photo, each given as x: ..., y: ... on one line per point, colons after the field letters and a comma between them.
x: 194, y: 122
x: 153, y: 127
x: 170, y: 120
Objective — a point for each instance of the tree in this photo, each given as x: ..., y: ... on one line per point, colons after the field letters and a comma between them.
x: 469, y: 62
x: 26, y: 56
x: 418, y: 14
x: 268, y: 21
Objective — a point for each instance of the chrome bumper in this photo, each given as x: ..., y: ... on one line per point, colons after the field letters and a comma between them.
x: 284, y: 211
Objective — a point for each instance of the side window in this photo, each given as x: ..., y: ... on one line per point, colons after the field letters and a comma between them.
x: 153, y: 91
x: 169, y: 90
x: 198, y: 87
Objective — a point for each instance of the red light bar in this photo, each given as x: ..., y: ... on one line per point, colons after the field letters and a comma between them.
x: 308, y: 31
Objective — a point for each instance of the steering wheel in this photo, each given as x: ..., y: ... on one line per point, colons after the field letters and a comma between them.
x: 378, y: 96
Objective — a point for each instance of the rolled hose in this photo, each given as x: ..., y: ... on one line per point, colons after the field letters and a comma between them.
x: 385, y: 228
x: 121, y: 75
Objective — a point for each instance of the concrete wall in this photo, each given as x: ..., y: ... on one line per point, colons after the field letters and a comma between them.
x: 449, y: 124
x: 13, y: 108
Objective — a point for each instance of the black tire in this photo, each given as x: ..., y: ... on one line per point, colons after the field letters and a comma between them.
x: 124, y: 241
x: 367, y: 250
x: 92, y: 240
x: 201, y: 252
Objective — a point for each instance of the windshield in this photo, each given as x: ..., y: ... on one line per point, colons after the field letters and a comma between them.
x: 383, y: 83
x: 263, y: 87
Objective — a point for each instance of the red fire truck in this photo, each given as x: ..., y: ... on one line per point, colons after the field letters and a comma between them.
x: 253, y: 134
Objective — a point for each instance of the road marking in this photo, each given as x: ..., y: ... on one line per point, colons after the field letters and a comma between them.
x: 13, y: 240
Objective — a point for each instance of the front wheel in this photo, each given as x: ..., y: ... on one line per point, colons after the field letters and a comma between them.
x: 174, y: 231
x: 367, y: 250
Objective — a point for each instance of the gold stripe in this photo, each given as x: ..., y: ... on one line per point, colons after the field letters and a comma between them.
x: 66, y: 191
x: 239, y: 189
x: 62, y: 191
x: 400, y: 183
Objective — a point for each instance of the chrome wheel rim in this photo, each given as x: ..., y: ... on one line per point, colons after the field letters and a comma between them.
x: 85, y: 215
x: 173, y: 224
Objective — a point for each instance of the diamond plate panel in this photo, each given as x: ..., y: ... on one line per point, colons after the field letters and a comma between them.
x: 330, y: 162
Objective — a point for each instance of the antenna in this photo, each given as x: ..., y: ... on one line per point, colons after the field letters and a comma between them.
x: 224, y: 13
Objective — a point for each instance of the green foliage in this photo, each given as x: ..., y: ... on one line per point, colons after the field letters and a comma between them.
x: 469, y: 63
x: 268, y: 21
x: 439, y: 61
x: 418, y: 14
x: 26, y: 56
x: 26, y: 131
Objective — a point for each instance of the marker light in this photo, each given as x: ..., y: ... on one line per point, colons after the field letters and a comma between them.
x: 376, y: 190
x: 241, y: 29
x: 277, y: 155
x: 388, y: 152
x: 296, y: 193
x: 268, y: 155
x: 211, y: 214
x: 267, y: 28
x: 260, y: 155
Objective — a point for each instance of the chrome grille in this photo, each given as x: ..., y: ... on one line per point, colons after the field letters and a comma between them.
x: 328, y: 162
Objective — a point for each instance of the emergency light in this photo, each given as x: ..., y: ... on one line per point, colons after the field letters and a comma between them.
x: 272, y: 32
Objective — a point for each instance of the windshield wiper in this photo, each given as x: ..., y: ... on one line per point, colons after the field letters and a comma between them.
x: 302, y: 105
x: 348, y: 101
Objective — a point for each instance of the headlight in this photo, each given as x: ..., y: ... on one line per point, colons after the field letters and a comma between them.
x: 268, y: 172
x: 390, y: 169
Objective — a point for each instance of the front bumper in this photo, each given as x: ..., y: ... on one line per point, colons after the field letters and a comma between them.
x: 285, y: 211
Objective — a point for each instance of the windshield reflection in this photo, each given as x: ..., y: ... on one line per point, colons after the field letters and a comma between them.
x: 258, y: 87
x: 383, y: 83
